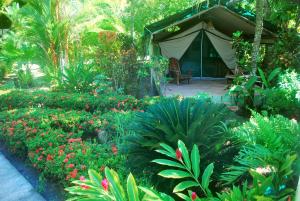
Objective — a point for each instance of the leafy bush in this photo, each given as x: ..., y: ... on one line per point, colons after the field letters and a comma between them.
x: 183, y: 166
x: 192, y: 121
x: 91, y: 103
x: 24, y: 78
x: 282, y: 98
x: 267, y: 143
x: 54, y: 142
x: 78, y: 77
x: 110, y: 188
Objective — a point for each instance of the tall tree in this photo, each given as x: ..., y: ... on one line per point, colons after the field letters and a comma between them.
x: 260, y: 7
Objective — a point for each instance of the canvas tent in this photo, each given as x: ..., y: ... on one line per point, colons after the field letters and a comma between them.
x: 202, y: 42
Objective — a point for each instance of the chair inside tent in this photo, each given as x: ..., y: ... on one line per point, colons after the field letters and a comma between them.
x: 203, y: 50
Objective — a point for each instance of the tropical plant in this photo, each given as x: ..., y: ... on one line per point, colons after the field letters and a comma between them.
x: 24, y: 78
x: 267, y: 79
x: 110, y: 188
x: 243, y: 92
x: 186, y: 167
x: 267, y: 146
x: 190, y: 120
x: 78, y: 77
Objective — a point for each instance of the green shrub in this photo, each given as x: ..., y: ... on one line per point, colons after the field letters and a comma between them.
x: 54, y: 142
x: 282, y: 98
x: 192, y: 121
x: 78, y: 77
x: 75, y: 101
x: 266, y: 142
x: 24, y: 78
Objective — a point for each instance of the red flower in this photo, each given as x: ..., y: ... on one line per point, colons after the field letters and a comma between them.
x: 60, y: 152
x: 114, y: 149
x: 49, y: 157
x: 50, y: 144
x: 85, y: 187
x: 178, y: 154
x: 194, y: 196
x: 71, y: 165
x: 74, y: 140
x: 34, y: 130
x: 66, y: 160
x: 73, y: 174
x: 40, y: 158
x: 104, y: 184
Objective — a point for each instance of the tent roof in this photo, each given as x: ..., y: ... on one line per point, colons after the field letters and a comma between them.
x: 224, y: 19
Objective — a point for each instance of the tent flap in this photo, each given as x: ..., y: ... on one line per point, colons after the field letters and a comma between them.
x: 176, y: 46
x: 223, y: 46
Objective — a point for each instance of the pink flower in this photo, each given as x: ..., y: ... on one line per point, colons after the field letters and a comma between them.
x: 194, y: 196
x: 66, y: 160
x: 85, y: 187
x: 74, y: 140
x: 73, y: 174
x: 71, y: 165
x: 40, y: 158
x: 104, y: 184
x: 178, y: 154
x: 49, y: 157
x: 114, y: 149
x: 82, y: 178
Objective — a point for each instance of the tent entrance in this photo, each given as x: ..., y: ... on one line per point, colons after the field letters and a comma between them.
x: 202, y: 59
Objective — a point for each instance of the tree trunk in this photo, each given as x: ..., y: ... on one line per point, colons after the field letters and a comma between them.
x: 260, y: 4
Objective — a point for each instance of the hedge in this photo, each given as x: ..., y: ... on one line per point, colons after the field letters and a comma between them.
x: 74, y: 101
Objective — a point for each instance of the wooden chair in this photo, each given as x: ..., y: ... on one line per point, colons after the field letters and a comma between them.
x: 175, y: 72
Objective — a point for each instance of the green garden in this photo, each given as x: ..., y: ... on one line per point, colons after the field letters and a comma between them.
x: 82, y: 101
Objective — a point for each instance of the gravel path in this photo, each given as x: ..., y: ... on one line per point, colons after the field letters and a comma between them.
x: 13, y: 186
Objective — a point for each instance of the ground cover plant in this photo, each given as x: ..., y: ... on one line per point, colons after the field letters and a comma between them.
x: 75, y: 101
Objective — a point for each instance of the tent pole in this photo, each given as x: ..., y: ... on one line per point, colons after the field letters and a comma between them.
x: 202, y: 32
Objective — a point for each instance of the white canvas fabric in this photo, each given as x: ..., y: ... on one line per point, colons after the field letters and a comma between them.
x: 222, y: 43
x: 177, y: 47
x: 223, y: 46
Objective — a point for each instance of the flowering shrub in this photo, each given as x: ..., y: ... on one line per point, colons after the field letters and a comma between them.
x: 75, y: 101
x: 53, y: 141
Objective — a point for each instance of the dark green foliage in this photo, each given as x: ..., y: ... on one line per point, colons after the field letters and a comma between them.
x: 91, y: 103
x: 266, y: 142
x: 192, y: 121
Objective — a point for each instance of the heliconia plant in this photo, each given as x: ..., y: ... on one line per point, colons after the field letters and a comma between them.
x: 185, y: 166
x: 97, y: 188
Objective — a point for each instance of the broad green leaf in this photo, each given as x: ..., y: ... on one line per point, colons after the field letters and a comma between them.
x: 175, y: 174
x: 184, y: 197
x: 195, y: 157
x: 168, y: 163
x: 184, y: 185
x: 95, y: 177
x: 114, y: 181
x: 185, y: 154
x: 263, y: 77
x: 273, y: 74
x: 132, y: 190
x: 150, y: 195
x: 167, y: 148
x: 171, y: 155
x: 206, y: 176
x: 251, y: 82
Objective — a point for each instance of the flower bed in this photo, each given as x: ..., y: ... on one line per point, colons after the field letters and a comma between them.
x: 75, y: 101
x: 53, y: 141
